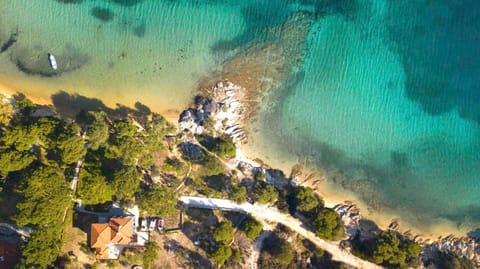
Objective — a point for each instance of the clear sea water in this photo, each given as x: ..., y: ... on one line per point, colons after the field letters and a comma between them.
x: 388, y: 92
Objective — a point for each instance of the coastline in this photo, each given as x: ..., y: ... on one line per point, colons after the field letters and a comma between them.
x: 259, y: 148
x: 170, y: 114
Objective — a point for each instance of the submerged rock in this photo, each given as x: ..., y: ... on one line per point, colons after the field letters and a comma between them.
x: 103, y: 14
x: 140, y: 30
x: 11, y: 40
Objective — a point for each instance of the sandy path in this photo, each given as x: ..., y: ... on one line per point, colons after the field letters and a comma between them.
x: 266, y: 213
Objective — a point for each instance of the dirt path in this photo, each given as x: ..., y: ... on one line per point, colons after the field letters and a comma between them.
x: 266, y: 213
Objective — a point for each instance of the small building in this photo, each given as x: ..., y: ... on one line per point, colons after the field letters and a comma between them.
x: 109, y: 239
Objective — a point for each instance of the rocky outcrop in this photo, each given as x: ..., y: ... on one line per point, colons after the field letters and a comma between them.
x: 222, y: 112
x: 351, y: 217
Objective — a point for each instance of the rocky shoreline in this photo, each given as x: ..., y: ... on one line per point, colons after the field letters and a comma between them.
x: 222, y: 110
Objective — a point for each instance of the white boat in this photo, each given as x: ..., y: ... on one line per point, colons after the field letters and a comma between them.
x: 53, y: 61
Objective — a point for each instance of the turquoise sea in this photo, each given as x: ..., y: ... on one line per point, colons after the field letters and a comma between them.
x: 387, y: 93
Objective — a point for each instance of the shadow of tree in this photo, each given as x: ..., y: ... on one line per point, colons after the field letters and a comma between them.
x: 70, y: 105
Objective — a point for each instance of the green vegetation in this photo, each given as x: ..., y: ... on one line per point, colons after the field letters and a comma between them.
x: 174, y: 165
x: 388, y: 250
x: 238, y: 194
x: 222, y: 146
x: 210, y: 166
x: 328, y: 225
x: 150, y: 254
x: 97, y: 130
x: 45, y: 200
x: 221, y: 253
x: 94, y: 180
x: 223, y: 231
x: 251, y: 227
x: 157, y: 201
x: 280, y: 251
x: 126, y: 183
x: 306, y: 200
x: 266, y: 193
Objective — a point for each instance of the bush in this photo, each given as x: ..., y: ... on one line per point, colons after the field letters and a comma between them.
x: 211, y: 166
x: 328, y: 225
x: 221, y: 254
x: 279, y: 249
x: 223, y: 146
x: 387, y: 249
x: 306, y: 199
x: 238, y: 194
x: 266, y: 194
x: 252, y: 228
x: 223, y: 231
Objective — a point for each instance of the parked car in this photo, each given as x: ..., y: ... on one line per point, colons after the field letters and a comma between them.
x: 143, y: 225
x: 160, y: 224
x: 153, y: 222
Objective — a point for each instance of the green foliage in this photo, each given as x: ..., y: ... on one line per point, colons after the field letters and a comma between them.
x: 71, y: 149
x: 211, y: 166
x: 150, y: 254
x: 174, y: 165
x: 6, y: 112
x: 23, y: 103
x: 98, y: 130
x: 306, y: 199
x: 125, y: 128
x: 126, y: 183
x: 45, y: 198
x: 222, y: 146
x: 328, y: 225
x: 93, y: 188
x: 266, y: 194
x: 21, y: 137
x: 42, y: 249
x: 223, y: 231
x: 252, y: 228
x: 44, y: 204
x: 221, y: 253
x: 281, y: 251
x: 238, y: 194
x: 157, y: 201
x: 388, y: 249
x: 13, y: 160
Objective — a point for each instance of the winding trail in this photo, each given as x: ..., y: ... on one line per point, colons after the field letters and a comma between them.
x: 266, y: 213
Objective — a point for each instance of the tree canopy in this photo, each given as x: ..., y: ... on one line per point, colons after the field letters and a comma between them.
x: 328, y: 225
x: 93, y: 188
x: 150, y: 254
x: 98, y: 130
x: 126, y: 183
x: 157, y: 201
x: 223, y: 231
x: 266, y: 194
x: 252, y: 228
x: 221, y: 253
x: 388, y: 249
x: 45, y: 200
x: 306, y: 199
x: 45, y: 197
x: 238, y: 194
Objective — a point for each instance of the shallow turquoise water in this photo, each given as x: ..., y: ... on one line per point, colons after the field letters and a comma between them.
x: 388, y: 92
x: 382, y: 102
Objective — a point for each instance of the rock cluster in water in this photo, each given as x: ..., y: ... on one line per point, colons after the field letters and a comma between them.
x: 222, y: 110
